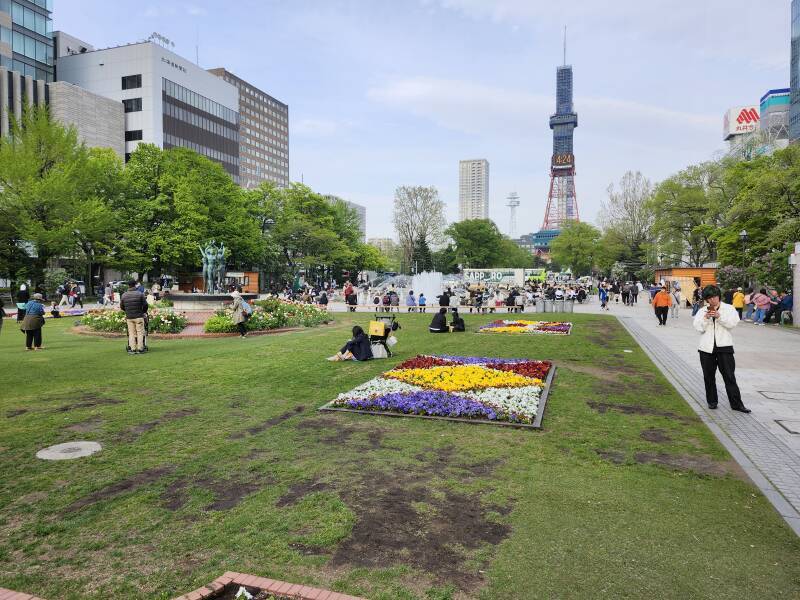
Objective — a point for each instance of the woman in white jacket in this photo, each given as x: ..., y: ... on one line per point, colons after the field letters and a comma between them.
x: 715, y: 321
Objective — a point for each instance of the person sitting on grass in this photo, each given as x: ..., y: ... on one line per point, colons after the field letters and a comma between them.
x: 457, y: 324
x: 54, y: 311
x: 358, y: 348
x: 439, y: 322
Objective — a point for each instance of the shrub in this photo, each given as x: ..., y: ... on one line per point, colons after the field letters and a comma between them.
x: 270, y: 313
x: 111, y: 320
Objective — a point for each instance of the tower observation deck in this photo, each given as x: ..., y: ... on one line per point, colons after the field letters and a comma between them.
x: 562, y: 203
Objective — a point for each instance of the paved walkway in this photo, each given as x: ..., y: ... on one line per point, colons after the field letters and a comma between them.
x: 766, y: 443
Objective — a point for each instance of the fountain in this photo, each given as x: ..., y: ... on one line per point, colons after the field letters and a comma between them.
x: 428, y: 282
x: 214, y: 295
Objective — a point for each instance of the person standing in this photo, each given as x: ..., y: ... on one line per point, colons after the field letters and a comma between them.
x: 602, y: 293
x: 714, y: 322
x: 676, y: 302
x: 738, y: 302
x: 661, y: 303
x: 2, y: 314
x: 33, y: 322
x: 239, y: 317
x: 411, y: 301
x: 134, y: 304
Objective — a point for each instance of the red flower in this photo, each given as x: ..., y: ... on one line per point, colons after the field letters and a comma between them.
x: 426, y: 362
x: 537, y: 369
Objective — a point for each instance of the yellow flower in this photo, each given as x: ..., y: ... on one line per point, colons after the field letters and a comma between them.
x: 461, y: 378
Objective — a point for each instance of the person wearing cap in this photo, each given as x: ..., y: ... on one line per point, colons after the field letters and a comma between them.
x: 714, y: 322
x: 33, y: 322
x: 661, y: 303
x: 738, y: 301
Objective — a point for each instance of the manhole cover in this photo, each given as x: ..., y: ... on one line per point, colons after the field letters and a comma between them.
x: 69, y: 450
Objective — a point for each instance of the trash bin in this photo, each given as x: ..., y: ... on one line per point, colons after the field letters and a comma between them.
x: 569, y: 306
x: 535, y: 306
x: 548, y: 306
x: 558, y: 306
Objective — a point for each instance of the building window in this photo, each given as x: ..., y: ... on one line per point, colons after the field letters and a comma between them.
x: 131, y: 82
x: 133, y: 136
x: 132, y: 105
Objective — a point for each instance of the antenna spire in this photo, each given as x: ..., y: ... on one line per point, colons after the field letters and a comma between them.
x: 565, y: 45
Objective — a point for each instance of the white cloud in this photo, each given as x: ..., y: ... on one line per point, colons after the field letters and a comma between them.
x: 476, y: 108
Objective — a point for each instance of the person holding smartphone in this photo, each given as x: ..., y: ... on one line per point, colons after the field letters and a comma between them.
x: 714, y: 322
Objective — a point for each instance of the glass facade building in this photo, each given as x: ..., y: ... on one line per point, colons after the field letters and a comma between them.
x: 26, y: 37
x: 794, y: 75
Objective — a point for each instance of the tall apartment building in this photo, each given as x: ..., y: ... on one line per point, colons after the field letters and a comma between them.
x: 168, y: 101
x: 473, y: 189
x: 794, y: 75
x: 26, y: 37
x: 263, y: 134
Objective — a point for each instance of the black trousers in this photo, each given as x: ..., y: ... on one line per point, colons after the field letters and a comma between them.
x: 242, y: 327
x: 33, y: 338
x: 727, y: 367
x: 662, y: 312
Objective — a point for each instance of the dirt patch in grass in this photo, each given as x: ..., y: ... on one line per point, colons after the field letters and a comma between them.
x: 87, y: 426
x: 638, y: 409
x: 87, y: 401
x: 602, y: 332
x: 237, y: 435
x: 129, y: 484
x: 299, y: 490
x: 132, y: 433
x: 338, y: 431
x: 613, y: 456
x: 657, y: 436
x: 687, y: 462
x: 436, y: 541
x: 609, y: 373
x: 10, y: 414
x: 228, y: 493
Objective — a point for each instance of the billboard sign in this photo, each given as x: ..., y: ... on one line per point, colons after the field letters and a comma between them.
x: 507, y: 276
x: 741, y: 120
x: 563, y: 161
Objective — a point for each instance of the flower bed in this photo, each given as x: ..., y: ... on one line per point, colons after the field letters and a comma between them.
x: 113, y: 321
x: 517, y: 326
x: 468, y: 388
x: 270, y: 314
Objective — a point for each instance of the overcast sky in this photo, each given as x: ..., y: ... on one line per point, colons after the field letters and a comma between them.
x: 384, y: 93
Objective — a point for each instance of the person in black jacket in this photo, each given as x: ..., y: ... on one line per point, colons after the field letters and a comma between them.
x: 134, y: 304
x: 439, y: 322
x: 457, y: 324
x: 357, y: 348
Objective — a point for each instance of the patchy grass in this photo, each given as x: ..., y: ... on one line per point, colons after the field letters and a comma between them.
x: 214, y: 458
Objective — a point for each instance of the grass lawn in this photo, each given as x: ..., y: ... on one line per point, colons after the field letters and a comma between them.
x: 214, y: 458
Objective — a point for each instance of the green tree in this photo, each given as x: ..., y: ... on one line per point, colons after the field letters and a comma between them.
x: 576, y: 247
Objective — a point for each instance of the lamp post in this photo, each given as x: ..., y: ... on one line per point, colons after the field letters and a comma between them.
x: 743, y: 237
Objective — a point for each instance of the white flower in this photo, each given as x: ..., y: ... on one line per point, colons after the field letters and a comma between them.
x: 377, y: 387
x: 518, y: 400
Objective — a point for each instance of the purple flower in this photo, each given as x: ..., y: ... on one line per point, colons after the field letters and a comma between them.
x: 432, y: 403
x: 479, y: 360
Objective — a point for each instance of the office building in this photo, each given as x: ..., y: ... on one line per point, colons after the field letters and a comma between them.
x: 167, y: 100
x: 16, y: 92
x: 385, y: 245
x: 774, y: 108
x: 26, y: 38
x: 794, y: 75
x: 263, y: 134
x: 473, y: 189
x: 99, y: 121
x: 361, y: 213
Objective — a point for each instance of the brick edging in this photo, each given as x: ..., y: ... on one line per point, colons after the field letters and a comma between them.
x: 6, y: 594
x: 273, y: 586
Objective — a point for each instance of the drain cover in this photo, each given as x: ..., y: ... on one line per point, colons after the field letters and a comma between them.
x: 69, y: 450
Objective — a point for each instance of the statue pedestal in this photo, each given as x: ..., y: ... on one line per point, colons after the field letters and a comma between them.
x: 189, y: 302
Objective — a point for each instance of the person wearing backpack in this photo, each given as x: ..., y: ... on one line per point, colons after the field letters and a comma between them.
x: 241, y: 311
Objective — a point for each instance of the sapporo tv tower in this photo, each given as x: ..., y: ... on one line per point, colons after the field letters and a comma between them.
x: 562, y: 203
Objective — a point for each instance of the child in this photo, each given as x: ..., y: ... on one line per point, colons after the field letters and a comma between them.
x: 422, y: 302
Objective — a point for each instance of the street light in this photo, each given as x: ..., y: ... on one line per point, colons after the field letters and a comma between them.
x: 743, y: 237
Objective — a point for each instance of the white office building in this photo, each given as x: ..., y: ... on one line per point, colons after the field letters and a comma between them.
x: 167, y: 100
x: 473, y: 189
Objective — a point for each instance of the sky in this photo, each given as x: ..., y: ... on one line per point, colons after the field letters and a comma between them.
x: 384, y: 93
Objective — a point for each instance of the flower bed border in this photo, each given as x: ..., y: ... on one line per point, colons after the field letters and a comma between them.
x: 272, y: 586
x: 537, y: 422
